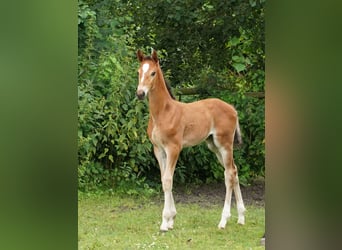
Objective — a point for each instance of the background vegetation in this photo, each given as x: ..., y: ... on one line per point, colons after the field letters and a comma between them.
x: 207, y: 48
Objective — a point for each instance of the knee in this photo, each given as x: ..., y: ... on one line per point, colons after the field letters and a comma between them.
x: 230, y: 173
x: 231, y: 176
x: 234, y: 178
x: 167, y: 184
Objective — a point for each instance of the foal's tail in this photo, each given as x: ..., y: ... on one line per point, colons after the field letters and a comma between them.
x: 237, y: 135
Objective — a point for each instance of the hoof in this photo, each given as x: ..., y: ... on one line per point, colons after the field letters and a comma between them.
x: 170, y: 225
x: 262, y: 241
x: 222, y: 225
x: 241, y: 221
x: 163, y: 228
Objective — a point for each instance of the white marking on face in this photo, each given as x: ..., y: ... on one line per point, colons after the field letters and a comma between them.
x: 145, y: 68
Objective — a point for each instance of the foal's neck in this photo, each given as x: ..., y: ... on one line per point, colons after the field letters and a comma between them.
x: 159, y: 97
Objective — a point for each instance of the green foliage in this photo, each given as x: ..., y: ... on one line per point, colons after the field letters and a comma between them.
x: 113, y: 145
x: 195, y: 33
x: 198, y: 165
x: 215, y: 46
x: 250, y: 156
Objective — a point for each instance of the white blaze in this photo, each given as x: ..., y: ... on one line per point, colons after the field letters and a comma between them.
x: 145, y: 68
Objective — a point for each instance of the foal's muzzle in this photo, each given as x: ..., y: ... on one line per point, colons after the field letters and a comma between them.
x: 140, y: 94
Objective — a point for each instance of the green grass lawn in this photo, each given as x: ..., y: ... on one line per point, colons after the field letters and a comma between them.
x: 109, y: 222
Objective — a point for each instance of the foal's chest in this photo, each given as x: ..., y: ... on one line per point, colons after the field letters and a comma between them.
x: 157, y: 136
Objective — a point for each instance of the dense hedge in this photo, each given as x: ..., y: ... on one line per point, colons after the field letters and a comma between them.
x: 114, y: 151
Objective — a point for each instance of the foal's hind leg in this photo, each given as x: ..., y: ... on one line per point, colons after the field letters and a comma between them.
x: 238, y: 197
x: 213, y: 148
x: 224, y: 158
x: 225, y: 155
x: 232, y: 183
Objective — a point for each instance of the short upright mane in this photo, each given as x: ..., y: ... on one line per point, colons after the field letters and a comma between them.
x: 149, y: 58
x: 168, y: 87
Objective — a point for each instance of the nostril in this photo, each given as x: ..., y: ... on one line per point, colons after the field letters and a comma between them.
x: 140, y: 94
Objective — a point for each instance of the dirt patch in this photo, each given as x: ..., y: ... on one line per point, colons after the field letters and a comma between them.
x: 209, y: 194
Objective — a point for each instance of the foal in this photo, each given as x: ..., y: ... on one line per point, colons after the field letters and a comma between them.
x: 174, y: 125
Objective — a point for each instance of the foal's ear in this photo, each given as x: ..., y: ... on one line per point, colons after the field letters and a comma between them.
x: 140, y: 55
x: 154, y: 55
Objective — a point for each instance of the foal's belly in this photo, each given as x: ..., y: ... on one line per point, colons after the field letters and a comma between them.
x: 194, y: 135
x: 189, y: 137
x: 193, y: 141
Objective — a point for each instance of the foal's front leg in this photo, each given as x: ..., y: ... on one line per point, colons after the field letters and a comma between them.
x: 169, y: 211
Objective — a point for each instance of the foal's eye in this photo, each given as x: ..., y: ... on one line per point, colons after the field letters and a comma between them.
x: 153, y: 73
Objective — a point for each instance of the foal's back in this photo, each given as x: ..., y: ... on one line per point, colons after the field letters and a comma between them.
x: 206, y: 117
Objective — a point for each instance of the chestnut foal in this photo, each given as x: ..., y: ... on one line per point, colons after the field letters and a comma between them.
x: 174, y: 125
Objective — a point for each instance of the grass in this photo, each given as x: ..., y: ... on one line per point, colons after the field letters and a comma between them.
x: 110, y: 222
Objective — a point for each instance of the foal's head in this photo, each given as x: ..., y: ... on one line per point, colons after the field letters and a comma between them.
x: 147, y: 73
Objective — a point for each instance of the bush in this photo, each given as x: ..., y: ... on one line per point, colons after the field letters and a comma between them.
x: 112, y: 139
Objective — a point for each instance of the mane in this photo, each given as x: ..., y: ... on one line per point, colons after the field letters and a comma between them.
x: 148, y: 58
x: 168, y: 87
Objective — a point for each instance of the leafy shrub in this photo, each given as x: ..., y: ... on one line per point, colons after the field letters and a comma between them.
x: 113, y: 144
